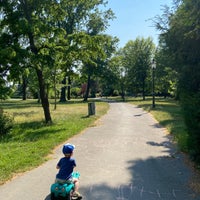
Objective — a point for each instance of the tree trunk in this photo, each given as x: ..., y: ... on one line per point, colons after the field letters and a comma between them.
x: 43, y: 94
x: 39, y: 99
x: 88, y: 89
x: 44, y: 97
x: 69, y: 88
x: 24, y: 87
x: 123, y: 93
x: 143, y: 90
x: 63, y: 91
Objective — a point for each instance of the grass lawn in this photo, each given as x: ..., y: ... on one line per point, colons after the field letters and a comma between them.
x: 30, y: 140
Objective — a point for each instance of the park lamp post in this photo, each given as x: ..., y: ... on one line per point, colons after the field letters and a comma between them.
x: 153, y: 66
x: 122, y: 75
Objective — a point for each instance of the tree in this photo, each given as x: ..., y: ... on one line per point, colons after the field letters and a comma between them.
x: 83, y: 17
x: 5, y: 90
x: 99, y: 48
x: 38, y: 28
x: 180, y: 41
x: 137, y: 56
x: 29, y: 27
x: 114, y: 76
x: 97, y: 52
x: 10, y: 56
x: 166, y: 77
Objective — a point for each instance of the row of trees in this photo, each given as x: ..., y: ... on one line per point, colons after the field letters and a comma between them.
x: 51, y: 38
x: 45, y: 42
x: 179, y: 45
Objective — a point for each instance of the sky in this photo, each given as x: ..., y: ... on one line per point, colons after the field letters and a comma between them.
x: 133, y: 19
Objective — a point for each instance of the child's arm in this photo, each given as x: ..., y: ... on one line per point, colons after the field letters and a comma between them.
x: 57, y: 167
x: 58, y: 164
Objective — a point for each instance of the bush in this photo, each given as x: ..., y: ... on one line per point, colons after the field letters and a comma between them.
x: 75, y: 92
x: 189, y: 94
x: 190, y: 105
x: 6, y: 122
x: 115, y: 93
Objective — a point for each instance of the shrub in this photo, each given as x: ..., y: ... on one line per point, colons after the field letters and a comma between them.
x: 75, y: 92
x: 6, y: 122
x: 190, y: 105
x: 115, y: 93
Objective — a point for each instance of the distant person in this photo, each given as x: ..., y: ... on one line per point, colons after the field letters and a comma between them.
x: 66, y: 166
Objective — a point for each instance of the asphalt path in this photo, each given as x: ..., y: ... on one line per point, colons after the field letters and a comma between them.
x: 127, y: 155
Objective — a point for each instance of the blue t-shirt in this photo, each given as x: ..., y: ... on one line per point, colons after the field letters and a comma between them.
x: 66, y: 166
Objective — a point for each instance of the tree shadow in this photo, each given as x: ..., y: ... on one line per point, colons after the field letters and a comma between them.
x: 151, y: 179
x: 164, y: 177
x: 33, y: 131
x: 140, y: 114
x: 158, y: 177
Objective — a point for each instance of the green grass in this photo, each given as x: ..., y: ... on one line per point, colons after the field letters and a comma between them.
x: 168, y: 113
x: 31, y: 141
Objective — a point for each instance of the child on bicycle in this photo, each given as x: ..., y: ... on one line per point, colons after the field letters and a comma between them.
x: 66, y: 166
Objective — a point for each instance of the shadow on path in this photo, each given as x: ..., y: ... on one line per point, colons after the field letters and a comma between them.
x: 154, y: 178
x: 151, y: 179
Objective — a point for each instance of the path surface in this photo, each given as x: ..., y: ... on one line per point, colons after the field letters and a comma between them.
x: 127, y: 156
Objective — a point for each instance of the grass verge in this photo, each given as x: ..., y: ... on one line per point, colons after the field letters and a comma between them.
x: 30, y: 141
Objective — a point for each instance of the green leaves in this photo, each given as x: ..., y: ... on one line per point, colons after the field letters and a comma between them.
x: 47, y: 35
x: 137, y: 57
x: 180, y: 44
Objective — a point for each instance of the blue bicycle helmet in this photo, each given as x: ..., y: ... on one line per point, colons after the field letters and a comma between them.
x: 68, y: 148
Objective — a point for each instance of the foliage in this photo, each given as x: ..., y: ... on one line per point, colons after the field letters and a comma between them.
x: 190, y: 102
x: 6, y: 123
x: 137, y: 56
x: 48, y: 35
x: 97, y: 62
x: 75, y: 92
x: 110, y: 76
x: 115, y: 93
x: 166, y: 77
x: 5, y: 91
x: 180, y: 41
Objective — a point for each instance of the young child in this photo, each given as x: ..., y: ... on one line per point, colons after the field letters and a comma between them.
x: 66, y: 166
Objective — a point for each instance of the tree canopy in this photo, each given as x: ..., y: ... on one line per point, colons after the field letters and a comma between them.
x: 179, y: 40
x: 48, y: 33
x: 137, y: 58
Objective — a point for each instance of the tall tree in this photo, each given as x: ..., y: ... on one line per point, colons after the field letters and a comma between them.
x: 82, y: 19
x: 98, y: 61
x: 166, y: 77
x: 180, y: 40
x: 39, y: 28
x: 137, y: 56
x: 114, y: 75
x: 99, y: 47
x: 29, y: 27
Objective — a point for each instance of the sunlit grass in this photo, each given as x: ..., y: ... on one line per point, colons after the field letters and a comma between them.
x: 30, y: 141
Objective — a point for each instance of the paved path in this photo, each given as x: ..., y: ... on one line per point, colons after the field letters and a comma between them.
x: 127, y: 156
